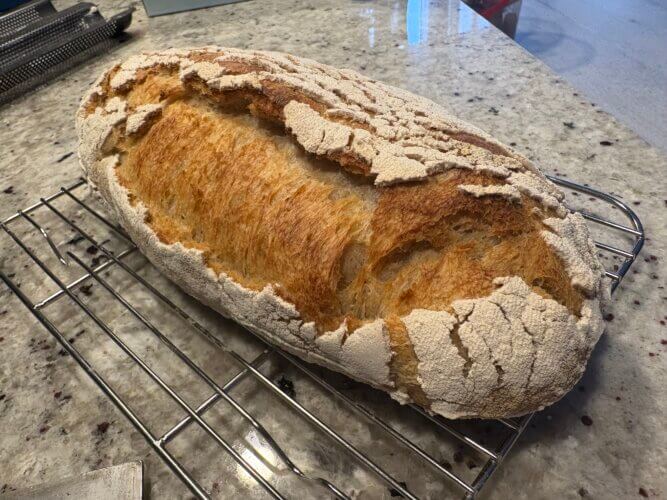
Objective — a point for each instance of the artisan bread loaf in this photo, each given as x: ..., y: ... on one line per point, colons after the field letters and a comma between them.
x: 351, y: 223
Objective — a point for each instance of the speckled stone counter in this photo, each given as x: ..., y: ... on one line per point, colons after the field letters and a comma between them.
x: 606, y: 439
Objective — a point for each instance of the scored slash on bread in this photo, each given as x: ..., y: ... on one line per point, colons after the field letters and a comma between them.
x: 352, y: 223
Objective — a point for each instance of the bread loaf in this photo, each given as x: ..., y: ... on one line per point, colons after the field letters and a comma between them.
x: 348, y: 222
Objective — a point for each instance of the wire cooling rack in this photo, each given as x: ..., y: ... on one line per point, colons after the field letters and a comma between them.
x: 62, y: 232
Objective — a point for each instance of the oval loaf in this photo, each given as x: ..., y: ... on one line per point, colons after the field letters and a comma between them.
x: 351, y: 223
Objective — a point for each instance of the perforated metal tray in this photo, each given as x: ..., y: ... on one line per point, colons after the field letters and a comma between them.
x: 37, y: 43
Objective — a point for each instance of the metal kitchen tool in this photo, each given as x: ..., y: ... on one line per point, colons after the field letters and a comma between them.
x: 113, y: 273
x: 23, y: 15
x: 37, y: 43
x: 119, y: 482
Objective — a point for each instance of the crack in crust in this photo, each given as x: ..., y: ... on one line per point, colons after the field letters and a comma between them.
x: 350, y: 222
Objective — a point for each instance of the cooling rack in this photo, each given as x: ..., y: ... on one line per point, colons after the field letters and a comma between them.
x: 61, y: 233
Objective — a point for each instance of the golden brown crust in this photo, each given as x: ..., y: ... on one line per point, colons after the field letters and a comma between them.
x: 298, y: 240
x: 476, y: 240
x: 218, y: 170
x: 256, y: 221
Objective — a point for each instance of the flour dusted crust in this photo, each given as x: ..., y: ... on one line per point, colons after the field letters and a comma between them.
x: 412, y: 290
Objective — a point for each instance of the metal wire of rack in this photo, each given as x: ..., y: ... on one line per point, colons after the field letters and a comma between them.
x: 115, y: 259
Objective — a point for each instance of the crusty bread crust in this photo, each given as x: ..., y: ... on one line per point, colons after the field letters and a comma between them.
x: 351, y: 223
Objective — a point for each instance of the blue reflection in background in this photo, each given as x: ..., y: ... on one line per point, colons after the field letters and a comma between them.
x: 458, y: 19
x: 416, y: 20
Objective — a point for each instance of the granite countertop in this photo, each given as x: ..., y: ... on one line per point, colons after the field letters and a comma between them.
x: 606, y: 439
